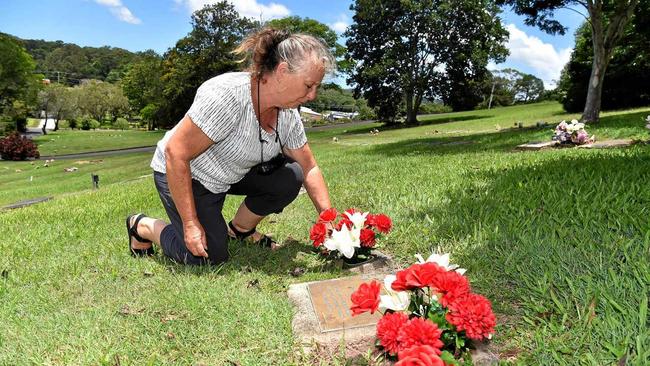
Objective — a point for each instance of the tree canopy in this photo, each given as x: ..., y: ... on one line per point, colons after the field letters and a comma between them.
x: 17, y: 78
x: 404, y: 51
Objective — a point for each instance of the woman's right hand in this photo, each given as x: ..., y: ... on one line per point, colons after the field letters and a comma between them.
x: 195, y: 240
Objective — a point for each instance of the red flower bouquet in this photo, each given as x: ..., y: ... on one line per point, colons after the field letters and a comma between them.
x: 353, y: 235
x: 430, y: 316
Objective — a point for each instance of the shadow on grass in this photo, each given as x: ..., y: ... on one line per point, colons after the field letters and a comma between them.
x: 501, y: 140
x: 292, y: 260
x: 555, y: 241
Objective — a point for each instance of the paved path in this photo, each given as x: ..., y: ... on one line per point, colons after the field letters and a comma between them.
x: 128, y: 150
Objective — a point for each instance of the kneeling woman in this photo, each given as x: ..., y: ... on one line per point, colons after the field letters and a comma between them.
x: 242, y: 136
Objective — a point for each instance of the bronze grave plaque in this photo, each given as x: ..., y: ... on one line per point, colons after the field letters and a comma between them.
x: 331, y: 302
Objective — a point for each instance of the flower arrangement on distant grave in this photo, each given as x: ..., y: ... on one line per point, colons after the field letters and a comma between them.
x: 431, y: 316
x: 352, y: 237
x: 572, y: 133
x: 647, y: 121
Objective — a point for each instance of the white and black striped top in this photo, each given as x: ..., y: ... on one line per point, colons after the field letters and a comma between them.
x: 223, y: 110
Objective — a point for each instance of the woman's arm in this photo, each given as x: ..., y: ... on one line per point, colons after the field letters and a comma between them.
x: 314, y: 181
x: 187, y: 143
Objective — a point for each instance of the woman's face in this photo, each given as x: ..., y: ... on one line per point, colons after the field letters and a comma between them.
x: 301, y: 86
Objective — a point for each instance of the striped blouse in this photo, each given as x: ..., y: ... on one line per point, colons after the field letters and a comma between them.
x: 223, y: 110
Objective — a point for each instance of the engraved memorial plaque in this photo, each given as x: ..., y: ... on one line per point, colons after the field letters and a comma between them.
x: 331, y: 302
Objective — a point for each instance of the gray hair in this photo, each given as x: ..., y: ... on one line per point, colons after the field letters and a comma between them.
x: 268, y: 47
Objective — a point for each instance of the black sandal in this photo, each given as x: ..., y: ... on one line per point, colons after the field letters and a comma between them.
x: 132, y: 231
x: 265, y: 242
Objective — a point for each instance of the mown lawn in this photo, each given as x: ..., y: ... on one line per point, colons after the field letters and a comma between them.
x: 74, y: 141
x: 559, y: 240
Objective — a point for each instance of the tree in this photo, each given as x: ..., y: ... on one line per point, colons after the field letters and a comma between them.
x: 528, y: 88
x: 142, y: 82
x: 628, y: 73
x: 58, y: 101
x: 607, y: 20
x: 406, y: 50
x: 204, y: 53
x: 17, y: 79
x: 99, y: 99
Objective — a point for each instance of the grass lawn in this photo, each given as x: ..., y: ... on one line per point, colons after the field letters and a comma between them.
x: 559, y: 240
x: 74, y: 141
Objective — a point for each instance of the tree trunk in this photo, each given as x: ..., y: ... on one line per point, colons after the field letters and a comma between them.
x: 44, y: 125
x: 56, y: 121
x: 591, y: 113
x: 411, y: 114
x: 604, y: 41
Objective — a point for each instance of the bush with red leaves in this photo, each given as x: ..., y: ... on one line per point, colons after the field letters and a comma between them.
x: 17, y: 147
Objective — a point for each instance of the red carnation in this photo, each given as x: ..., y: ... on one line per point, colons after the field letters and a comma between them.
x: 382, y: 223
x: 450, y: 285
x: 367, y: 238
x: 473, y: 314
x: 344, y: 221
x: 370, y: 220
x: 423, y: 355
x: 365, y: 298
x: 328, y: 215
x: 400, y: 280
x: 318, y: 233
x: 418, y: 331
x: 388, y: 328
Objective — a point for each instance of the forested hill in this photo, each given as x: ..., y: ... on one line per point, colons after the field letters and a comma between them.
x: 69, y: 63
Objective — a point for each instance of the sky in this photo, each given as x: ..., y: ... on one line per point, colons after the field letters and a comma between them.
x: 138, y: 25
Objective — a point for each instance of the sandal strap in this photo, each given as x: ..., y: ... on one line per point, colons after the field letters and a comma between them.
x: 241, y: 235
x: 266, y: 242
x: 133, y: 230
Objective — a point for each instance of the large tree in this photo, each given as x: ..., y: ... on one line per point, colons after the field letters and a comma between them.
x: 627, y: 76
x: 17, y: 79
x: 406, y: 50
x: 204, y: 53
x: 607, y: 20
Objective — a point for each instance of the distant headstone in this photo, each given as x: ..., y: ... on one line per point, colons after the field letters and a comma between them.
x: 606, y: 144
x: 534, y: 146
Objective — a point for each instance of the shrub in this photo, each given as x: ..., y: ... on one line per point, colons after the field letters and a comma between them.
x: 121, y: 124
x: 88, y: 123
x: 17, y: 147
x: 72, y: 123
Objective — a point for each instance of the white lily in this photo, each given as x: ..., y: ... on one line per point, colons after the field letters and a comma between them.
x: 358, y: 219
x: 442, y: 260
x: 344, y: 240
x: 395, y: 300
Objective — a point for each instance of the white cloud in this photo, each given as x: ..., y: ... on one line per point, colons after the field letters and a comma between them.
x: 245, y: 8
x: 120, y: 11
x: 341, y: 24
x: 543, y: 58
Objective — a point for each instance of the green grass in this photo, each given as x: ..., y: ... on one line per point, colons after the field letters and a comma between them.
x: 75, y: 141
x: 559, y: 240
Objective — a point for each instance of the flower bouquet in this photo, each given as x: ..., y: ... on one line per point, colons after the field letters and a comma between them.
x: 572, y: 133
x: 431, y: 316
x: 353, y: 236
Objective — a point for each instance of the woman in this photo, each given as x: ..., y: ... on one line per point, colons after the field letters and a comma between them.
x: 243, y: 136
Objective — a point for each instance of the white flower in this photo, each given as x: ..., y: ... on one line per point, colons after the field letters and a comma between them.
x: 358, y: 219
x: 344, y: 241
x: 442, y: 260
x: 395, y: 300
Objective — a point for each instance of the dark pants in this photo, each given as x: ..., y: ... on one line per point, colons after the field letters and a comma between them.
x: 265, y: 194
